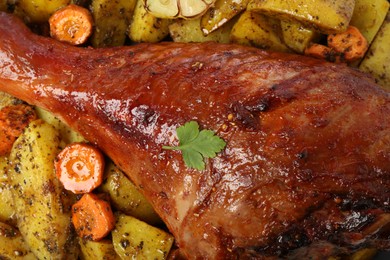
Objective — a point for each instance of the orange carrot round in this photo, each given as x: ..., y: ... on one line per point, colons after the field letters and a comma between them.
x: 72, y: 24
x: 92, y: 217
x: 320, y: 51
x: 351, y: 44
x: 79, y: 167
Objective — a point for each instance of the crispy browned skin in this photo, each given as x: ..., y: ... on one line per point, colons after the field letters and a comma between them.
x: 308, y: 143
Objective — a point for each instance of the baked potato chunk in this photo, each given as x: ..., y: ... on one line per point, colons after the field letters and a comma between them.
x: 297, y: 37
x: 190, y: 31
x: 145, y: 27
x: 326, y: 16
x: 112, y: 19
x: 258, y: 30
x: 377, y: 60
x: 67, y: 134
x: 12, y: 245
x: 368, y: 16
x: 220, y: 13
x: 94, y: 250
x: 126, y: 197
x: 134, y: 239
x: 7, y: 212
x: 41, y: 204
x: 38, y: 11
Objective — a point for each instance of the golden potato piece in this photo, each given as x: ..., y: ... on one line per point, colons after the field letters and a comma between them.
x: 326, y: 16
x: 145, y: 27
x: 42, y: 206
x: 134, y: 239
x: 377, y: 60
x: 67, y: 134
x: 220, y: 13
x: 112, y: 19
x: 297, y: 37
x: 126, y: 197
x: 95, y: 250
x: 190, y: 31
x: 7, y: 213
x: 12, y: 245
x: 368, y: 16
x: 38, y: 11
x: 258, y: 30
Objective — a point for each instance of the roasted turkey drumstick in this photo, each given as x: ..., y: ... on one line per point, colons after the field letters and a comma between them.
x: 306, y: 168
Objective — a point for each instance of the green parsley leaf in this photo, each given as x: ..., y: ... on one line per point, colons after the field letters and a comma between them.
x: 196, y: 145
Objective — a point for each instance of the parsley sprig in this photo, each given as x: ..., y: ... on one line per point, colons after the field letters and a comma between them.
x: 196, y: 145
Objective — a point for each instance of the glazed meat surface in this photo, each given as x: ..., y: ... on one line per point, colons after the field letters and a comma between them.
x: 306, y: 166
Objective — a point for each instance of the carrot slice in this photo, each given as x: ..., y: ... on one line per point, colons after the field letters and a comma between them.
x: 72, y: 24
x: 92, y: 217
x: 320, y: 51
x: 13, y: 120
x: 79, y: 167
x: 351, y: 44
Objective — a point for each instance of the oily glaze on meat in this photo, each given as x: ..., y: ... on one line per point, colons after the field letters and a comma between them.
x: 306, y: 167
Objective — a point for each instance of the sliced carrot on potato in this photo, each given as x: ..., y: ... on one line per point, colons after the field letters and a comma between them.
x: 92, y: 217
x: 80, y: 167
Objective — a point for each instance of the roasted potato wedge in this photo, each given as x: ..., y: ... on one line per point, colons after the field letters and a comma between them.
x: 38, y: 11
x: 67, y: 134
x: 126, y: 197
x: 134, y: 239
x: 145, y: 27
x: 368, y: 16
x: 377, y: 60
x: 95, y: 250
x: 297, y: 37
x: 12, y: 245
x: 42, y: 206
x: 326, y: 16
x: 112, y: 19
x: 220, y: 13
x: 258, y: 30
x: 7, y: 212
x: 190, y: 31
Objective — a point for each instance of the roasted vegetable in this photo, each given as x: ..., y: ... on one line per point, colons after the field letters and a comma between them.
x: 326, y: 16
x: 145, y: 27
x: 134, y: 239
x: 126, y: 197
x: 43, y: 217
x: 67, y: 134
x: 7, y: 211
x: 95, y: 250
x: 112, y: 19
x: 38, y: 11
x: 220, y: 13
x: 377, y: 59
x: 12, y: 245
x: 80, y: 167
x: 297, y: 37
x: 92, y: 217
x: 368, y: 16
x: 72, y: 24
x: 190, y: 31
x: 257, y: 30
